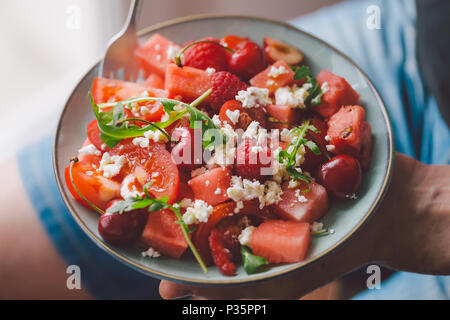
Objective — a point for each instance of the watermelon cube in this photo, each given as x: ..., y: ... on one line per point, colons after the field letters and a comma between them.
x: 345, y: 130
x: 340, y: 93
x: 154, y: 55
x: 273, y: 79
x: 281, y: 241
x: 164, y: 234
x: 212, y: 185
x: 187, y: 82
x: 284, y: 114
x: 302, y: 206
x: 155, y: 81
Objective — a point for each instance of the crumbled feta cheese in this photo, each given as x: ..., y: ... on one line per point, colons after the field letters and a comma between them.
x: 128, y: 187
x: 165, y: 117
x: 207, y: 182
x: 325, y: 87
x: 252, y: 130
x: 215, y: 119
x: 292, y: 184
x: 210, y: 71
x: 144, y: 110
x: 103, y: 147
x: 293, y: 97
x: 300, y: 198
x: 89, y: 173
x: 274, y: 72
x: 89, y: 149
x: 141, y: 142
x: 327, y: 138
x: 111, y: 165
x: 353, y: 196
x: 233, y: 115
x: 316, y: 226
x: 239, y: 206
x: 151, y: 253
x: 200, y: 212
x: 244, y: 189
x: 218, y: 191
x: 330, y: 147
x: 225, y: 154
x: 145, y: 93
x: 270, y: 82
x: 172, y: 52
x: 244, y: 237
x: 185, y: 203
x: 254, y: 97
x: 156, y: 136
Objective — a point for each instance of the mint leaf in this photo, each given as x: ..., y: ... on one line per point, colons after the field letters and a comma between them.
x: 252, y: 264
x: 301, y: 72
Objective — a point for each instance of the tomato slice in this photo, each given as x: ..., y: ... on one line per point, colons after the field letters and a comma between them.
x: 156, y: 163
x: 93, y: 134
x: 91, y: 184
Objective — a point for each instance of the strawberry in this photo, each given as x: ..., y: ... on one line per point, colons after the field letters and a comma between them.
x: 225, y: 87
x: 251, y: 159
x: 247, y: 61
x: 206, y: 55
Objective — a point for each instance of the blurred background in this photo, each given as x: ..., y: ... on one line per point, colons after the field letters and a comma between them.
x: 47, y: 48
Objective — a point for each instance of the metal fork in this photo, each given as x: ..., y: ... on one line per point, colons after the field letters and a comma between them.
x: 119, y: 61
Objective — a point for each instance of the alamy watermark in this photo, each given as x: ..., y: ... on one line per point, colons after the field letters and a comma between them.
x: 374, y: 19
x: 374, y: 279
x: 73, y: 21
x: 73, y: 281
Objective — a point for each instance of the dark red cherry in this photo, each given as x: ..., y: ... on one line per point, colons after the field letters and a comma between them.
x: 120, y: 228
x: 341, y: 176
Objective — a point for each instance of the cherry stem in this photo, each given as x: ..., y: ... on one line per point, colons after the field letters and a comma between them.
x: 93, y: 206
x: 178, y: 56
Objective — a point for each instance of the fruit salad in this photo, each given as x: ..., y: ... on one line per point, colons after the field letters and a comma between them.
x: 229, y: 152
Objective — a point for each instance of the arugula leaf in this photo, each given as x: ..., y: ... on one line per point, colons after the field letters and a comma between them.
x: 314, y: 97
x: 252, y: 263
x: 199, y: 120
x: 288, y: 157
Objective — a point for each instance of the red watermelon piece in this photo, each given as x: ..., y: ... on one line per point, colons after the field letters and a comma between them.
x: 164, y: 234
x: 153, y: 55
x: 155, y: 81
x: 302, y: 206
x: 281, y: 241
x: 340, y: 93
x: 264, y: 80
x: 212, y: 185
x: 187, y: 82
x: 345, y: 129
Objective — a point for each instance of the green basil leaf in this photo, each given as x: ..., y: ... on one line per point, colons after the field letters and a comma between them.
x: 252, y: 264
x: 301, y: 72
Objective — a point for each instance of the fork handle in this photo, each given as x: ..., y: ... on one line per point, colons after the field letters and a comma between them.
x: 133, y: 14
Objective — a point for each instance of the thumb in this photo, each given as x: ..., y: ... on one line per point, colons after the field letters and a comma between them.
x: 172, y: 290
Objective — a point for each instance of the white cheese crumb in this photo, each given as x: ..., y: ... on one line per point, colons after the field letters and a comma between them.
x: 252, y: 130
x: 215, y: 119
x: 218, y: 191
x: 300, y: 198
x: 151, y: 253
x: 239, y: 206
x: 254, y: 97
x: 144, y: 110
x: 89, y: 173
x: 141, y: 142
x: 233, y: 115
x: 292, y: 184
x: 270, y: 82
x: 207, y: 182
x: 330, y: 147
x: 293, y: 97
x: 172, y: 52
x: 200, y: 212
x: 243, y: 189
x: 244, y: 237
x: 185, y: 203
x: 316, y: 226
x: 325, y: 87
x: 274, y: 72
x: 156, y: 136
x: 89, y: 149
x: 111, y: 165
x: 327, y: 138
x: 210, y: 71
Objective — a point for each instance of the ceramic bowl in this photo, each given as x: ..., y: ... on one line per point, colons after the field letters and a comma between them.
x: 345, y: 217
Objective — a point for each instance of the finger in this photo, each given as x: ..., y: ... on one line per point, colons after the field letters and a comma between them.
x: 172, y: 290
